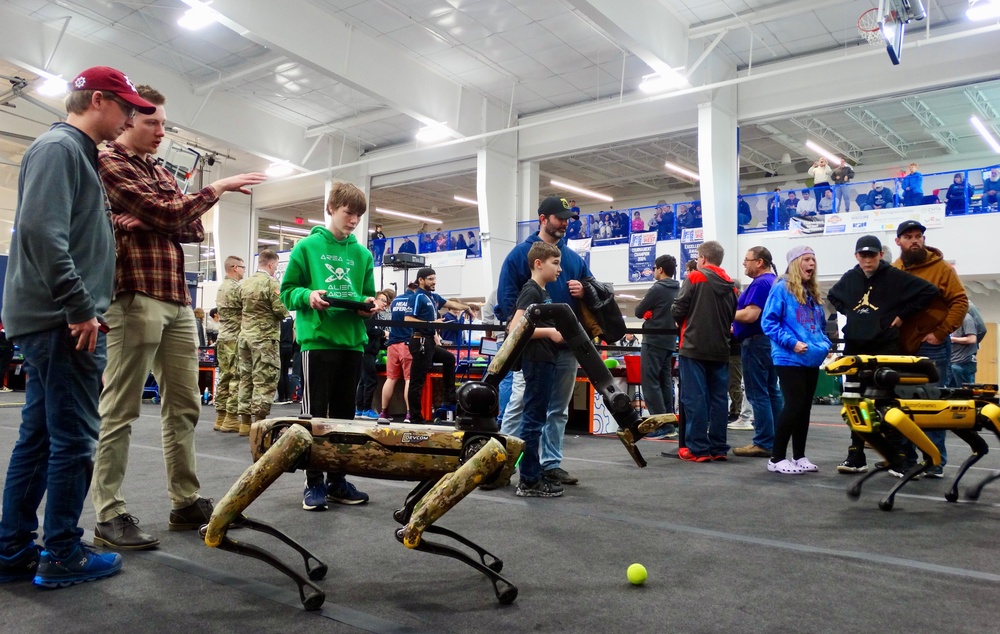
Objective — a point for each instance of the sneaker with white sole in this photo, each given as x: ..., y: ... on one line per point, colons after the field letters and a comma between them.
x: 81, y: 566
x: 806, y: 466
x: 784, y: 466
x: 740, y: 425
x: 314, y: 497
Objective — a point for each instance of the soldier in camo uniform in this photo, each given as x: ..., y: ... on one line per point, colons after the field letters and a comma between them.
x: 258, y: 345
x: 230, y: 308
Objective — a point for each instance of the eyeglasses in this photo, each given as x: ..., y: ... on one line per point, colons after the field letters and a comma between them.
x: 127, y: 109
x: 745, y: 260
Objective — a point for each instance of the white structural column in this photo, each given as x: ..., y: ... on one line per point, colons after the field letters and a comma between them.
x: 496, y: 191
x: 718, y: 165
x: 232, y: 230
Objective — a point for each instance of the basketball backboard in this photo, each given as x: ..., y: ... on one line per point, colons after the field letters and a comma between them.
x: 894, y: 16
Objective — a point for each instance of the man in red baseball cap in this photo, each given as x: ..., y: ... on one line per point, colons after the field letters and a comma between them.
x: 60, y: 277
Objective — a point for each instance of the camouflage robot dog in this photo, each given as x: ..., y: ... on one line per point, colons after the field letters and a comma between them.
x: 886, y: 396
x: 448, y: 464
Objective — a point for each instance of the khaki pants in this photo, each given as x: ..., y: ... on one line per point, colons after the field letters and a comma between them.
x: 147, y: 334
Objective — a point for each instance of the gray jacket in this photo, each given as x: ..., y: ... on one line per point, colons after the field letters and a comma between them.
x: 62, y: 254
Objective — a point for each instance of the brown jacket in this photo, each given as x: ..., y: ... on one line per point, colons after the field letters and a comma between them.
x: 945, y: 312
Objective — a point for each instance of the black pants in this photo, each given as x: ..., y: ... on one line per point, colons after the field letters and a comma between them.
x: 425, y: 353
x: 368, y: 383
x: 798, y: 384
x: 285, y: 353
x: 330, y: 381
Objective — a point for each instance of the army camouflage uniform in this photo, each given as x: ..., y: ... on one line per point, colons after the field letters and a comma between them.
x: 259, y: 360
x: 227, y: 300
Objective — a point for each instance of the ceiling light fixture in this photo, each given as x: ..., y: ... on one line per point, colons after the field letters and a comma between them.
x: 54, y: 86
x: 313, y: 221
x: 284, y: 229
x: 822, y: 151
x: 978, y: 125
x: 262, y: 241
x: 682, y: 170
x: 390, y: 212
x: 580, y: 190
x: 434, y: 132
x: 279, y: 169
x: 198, y: 16
x: 467, y: 201
x: 983, y: 10
x: 662, y: 81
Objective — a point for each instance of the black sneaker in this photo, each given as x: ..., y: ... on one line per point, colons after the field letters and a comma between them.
x: 543, y: 488
x: 934, y: 472
x: 345, y: 493
x: 82, y: 566
x: 559, y: 475
x: 20, y: 566
x: 191, y: 517
x: 123, y: 532
x: 855, y: 463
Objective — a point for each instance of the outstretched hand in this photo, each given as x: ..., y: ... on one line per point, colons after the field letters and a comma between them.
x: 239, y: 183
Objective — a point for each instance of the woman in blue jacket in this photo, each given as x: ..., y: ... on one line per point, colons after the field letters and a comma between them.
x: 793, y: 320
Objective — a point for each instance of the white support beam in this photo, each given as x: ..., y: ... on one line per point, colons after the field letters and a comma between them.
x: 830, y: 137
x: 982, y: 104
x: 783, y: 9
x: 379, y: 114
x: 758, y: 159
x: 306, y: 33
x: 876, y: 126
x: 645, y: 27
x: 929, y: 120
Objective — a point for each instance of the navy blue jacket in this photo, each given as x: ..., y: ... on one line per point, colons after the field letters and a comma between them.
x: 515, y: 273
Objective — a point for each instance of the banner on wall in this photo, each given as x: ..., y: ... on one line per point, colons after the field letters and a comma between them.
x: 582, y: 248
x: 690, y: 239
x: 876, y: 220
x: 641, y: 256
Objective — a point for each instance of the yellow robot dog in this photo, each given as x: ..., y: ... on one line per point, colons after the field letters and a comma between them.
x: 886, y: 396
x: 448, y: 463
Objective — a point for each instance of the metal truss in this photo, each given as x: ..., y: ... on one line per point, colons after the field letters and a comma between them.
x: 758, y: 159
x: 867, y: 120
x: 835, y: 140
x: 929, y: 120
x: 982, y: 104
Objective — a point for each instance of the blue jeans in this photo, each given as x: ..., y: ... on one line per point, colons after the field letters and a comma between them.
x: 760, y: 385
x: 657, y: 382
x: 704, y: 395
x: 962, y: 373
x: 54, y: 451
x: 557, y: 414
x: 537, y: 378
x: 506, y: 386
x: 941, y: 356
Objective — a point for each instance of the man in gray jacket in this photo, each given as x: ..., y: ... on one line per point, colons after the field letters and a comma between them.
x: 658, y: 349
x: 58, y: 286
x: 705, y: 307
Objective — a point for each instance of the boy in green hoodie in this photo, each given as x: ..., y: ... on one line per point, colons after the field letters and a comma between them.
x: 331, y: 261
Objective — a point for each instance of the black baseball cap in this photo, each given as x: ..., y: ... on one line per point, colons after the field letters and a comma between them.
x: 558, y: 207
x: 868, y: 244
x: 908, y: 225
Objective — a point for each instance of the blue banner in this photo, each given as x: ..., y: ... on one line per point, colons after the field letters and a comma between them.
x: 690, y: 239
x: 641, y: 256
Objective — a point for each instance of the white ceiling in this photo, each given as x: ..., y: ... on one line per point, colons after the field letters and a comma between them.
x: 527, y: 56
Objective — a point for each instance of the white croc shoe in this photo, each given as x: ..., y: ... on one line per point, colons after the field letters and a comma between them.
x: 785, y: 466
x: 806, y: 466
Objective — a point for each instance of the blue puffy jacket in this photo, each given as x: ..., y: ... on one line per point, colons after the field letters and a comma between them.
x: 785, y: 321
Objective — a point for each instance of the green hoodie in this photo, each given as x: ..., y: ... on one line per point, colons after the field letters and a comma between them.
x: 343, y: 268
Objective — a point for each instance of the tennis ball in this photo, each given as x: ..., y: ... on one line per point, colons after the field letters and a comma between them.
x: 611, y: 363
x: 636, y: 574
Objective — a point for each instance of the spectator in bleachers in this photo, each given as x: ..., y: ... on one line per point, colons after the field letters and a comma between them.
x: 743, y: 215
x: 825, y: 204
x: 471, y: 248
x: 696, y: 211
x: 957, y: 198
x: 685, y: 219
x: 665, y: 220
x: 841, y: 177
x: 913, y: 186
x: 879, y: 198
x: 637, y: 223
x: 574, y: 227
x: 991, y: 190
x: 621, y: 224
x: 791, y: 205
x: 806, y: 207
x: 378, y: 245
x: 776, y: 218
x: 407, y: 246
x: 821, y: 173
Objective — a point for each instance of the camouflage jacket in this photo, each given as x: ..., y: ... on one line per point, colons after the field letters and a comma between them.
x: 230, y: 306
x: 262, y: 308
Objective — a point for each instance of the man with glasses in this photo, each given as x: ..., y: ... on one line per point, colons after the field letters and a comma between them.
x: 152, y: 326
x: 230, y: 306
x: 877, y: 299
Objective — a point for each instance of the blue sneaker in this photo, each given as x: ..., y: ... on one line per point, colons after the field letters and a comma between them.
x: 369, y: 414
x: 20, y: 566
x: 358, y: 413
x: 314, y: 498
x: 346, y: 493
x: 82, y: 566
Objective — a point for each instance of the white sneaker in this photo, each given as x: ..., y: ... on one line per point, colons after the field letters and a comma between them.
x: 785, y: 466
x: 804, y: 464
x: 740, y: 425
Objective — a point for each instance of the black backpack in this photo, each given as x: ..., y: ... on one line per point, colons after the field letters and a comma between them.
x: 599, y: 312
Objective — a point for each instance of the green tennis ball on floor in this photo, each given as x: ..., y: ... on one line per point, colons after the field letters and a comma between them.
x: 611, y: 363
x: 636, y: 574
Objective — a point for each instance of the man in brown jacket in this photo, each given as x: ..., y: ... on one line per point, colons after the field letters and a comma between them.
x: 927, y: 333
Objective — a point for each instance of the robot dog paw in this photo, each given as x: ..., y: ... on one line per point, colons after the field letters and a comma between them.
x: 628, y: 439
x: 651, y: 423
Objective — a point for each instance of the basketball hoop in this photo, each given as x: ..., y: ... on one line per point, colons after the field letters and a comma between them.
x: 868, y: 25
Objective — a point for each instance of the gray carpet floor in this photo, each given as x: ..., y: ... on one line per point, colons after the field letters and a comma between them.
x: 729, y: 547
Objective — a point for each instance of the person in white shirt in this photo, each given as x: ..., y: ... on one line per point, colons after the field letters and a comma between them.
x: 806, y: 206
x: 821, y: 174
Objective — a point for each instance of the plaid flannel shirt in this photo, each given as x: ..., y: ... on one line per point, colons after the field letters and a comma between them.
x: 151, y: 262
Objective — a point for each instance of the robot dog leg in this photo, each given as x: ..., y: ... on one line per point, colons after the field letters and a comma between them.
x: 293, y: 444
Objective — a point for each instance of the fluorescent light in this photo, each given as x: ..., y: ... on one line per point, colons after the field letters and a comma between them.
x: 662, y: 81
x: 313, y: 221
x: 682, y: 170
x: 295, y: 230
x: 198, y: 17
x: 976, y: 123
x: 467, y: 201
x: 434, y: 132
x: 53, y: 87
x: 822, y: 151
x: 260, y: 241
x: 277, y: 170
x: 984, y: 10
x: 390, y: 212
x: 580, y: 190
x: 626, y: 296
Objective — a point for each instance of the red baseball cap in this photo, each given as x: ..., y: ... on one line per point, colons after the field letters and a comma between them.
x: 111, y: 80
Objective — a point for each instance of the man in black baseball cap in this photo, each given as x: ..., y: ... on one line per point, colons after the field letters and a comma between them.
x: 909, y: 225
x: 877, y: 299
x: 558, y: 207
